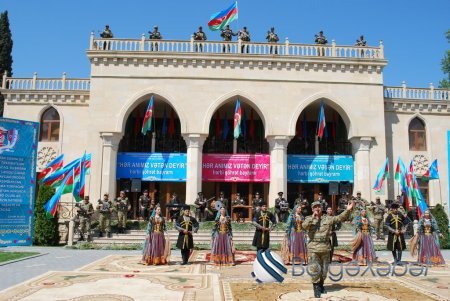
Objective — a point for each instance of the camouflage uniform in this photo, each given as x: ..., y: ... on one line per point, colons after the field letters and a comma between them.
x: 244, y: 35
x: 321, y: 40
x: 227, y: 35
x: 104, y: 219
x: 378, y: 214
x: 122, y: 206
x: 85, y: 211
x: 200, y: 35
x: 154, y: 35
x: 106, y: 34
x: 272, y: 37
x: 319, y: 233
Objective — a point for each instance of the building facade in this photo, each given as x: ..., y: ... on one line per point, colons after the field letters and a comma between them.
x: 195, y: 95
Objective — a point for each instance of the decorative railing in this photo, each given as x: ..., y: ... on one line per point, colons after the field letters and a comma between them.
x: 416, y: 93
x: 239, y: 47
x: 35, y: 83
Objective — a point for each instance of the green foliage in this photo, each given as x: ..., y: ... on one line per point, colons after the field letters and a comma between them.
x: 445, y: 66
x: 442, y: 221
x: 46, y: 231
x: 8, y: 256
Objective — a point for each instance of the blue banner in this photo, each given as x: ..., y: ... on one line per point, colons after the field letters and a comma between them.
x: 319, y: 169
x: 162, y: 167
x: 18, y: 152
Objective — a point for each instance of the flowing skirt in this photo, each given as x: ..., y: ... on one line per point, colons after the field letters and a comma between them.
x: 429, y: 250
x: 365, y: 252
x: 297, y: 248
x: 154, y: 252
x: 221, y: 249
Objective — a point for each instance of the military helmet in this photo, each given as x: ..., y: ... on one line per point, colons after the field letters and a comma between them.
x: 315, y: 203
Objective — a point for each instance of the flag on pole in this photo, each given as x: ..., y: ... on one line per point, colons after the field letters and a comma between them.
x: 382, y: 175
x: 433, y: 172
x: 237, y: 120
x: 52, y: 204
x: 321, y: 125
x: 51, y: 167
x: 221, y: 19
x: 226, y: 129
x: 421, y: 204
x: 400, y: 170
x: 58, y: 176
x: 78, y: 189
x: 147, y: 122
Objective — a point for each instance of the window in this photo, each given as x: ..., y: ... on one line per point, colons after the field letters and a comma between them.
x: 49, y: 125
x: 417, y: 135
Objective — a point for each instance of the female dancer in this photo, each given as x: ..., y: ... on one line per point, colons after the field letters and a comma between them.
x: 296, y: 250
x: 363, y: 247
x: 156, y: 248
x: 222, y: 249
x: 425, y: 244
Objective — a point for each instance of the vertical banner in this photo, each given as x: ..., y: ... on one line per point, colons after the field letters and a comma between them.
x: 18, y: 152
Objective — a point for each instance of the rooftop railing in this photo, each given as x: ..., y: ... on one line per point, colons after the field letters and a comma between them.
x: 35, y: 83
x: 417, y: 93
x: 240, y: 47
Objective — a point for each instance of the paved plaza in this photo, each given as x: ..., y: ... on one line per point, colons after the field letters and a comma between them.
x: 66, y: 274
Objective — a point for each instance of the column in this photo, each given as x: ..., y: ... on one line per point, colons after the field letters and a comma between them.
x: 361, y: 152
x: 194, y: 143
x: 278, y: 167
x: 110, y: 146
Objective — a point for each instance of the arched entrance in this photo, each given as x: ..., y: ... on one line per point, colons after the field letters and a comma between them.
x: 229, y: 163
x: 313, y: 162
x: 145, y: 161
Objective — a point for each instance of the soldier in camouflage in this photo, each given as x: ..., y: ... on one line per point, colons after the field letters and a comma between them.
x: 321, y: 40
x: 85, y: 211
x: 106, y: 34
x: 272, y: 37
x: 244, y: 35
x: 319, y: 228
x: 104, y: 218
x: 200, y: 36
x: 122, y: 206
x: 227, y: 35
x: 378, y: 217
x: 255, y: 204
x: 154, y: 35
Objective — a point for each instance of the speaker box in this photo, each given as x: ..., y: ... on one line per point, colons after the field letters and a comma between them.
x: 333, y: 188
x: 135, y: 185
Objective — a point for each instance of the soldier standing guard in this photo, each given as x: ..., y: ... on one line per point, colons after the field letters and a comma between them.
x: 255, y: 204
x: 174, y: 209
x: 104, y: 220
x: 322, y: 202
x: 85, y: 211
x: 227, y: 35
x: 321, y: 40
x: 319, y: 231
x: 221, y: 202
x: 122, y: 207
x: 200, y: 35
x: 298, y: 201
x: 361, y: 43
x: 154, y: 35
x: 144, y: 205
x: 264, y: 221
x: 244, y: 35
x: 395, y: 224
x: 185, y: 225
x: 378, y: 214
x: 106, y: 34
x: 273, y: 38
x: 200, y: 205
x: 238, y: 201
x: 281, y: 208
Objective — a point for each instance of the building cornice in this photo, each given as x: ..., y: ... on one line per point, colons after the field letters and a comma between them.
x: 409, y: 106
x: 40, y: 97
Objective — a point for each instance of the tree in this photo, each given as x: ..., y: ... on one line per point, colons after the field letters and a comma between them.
x: 445, y: 63
x: 46, y: 231
x: 6, y: 45
x: 442, y: 221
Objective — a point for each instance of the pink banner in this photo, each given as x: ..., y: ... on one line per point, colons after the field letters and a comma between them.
x: 235, y: 168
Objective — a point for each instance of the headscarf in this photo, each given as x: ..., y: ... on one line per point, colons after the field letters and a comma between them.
x: 291, y: 219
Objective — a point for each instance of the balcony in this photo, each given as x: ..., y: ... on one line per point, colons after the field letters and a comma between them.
x: 404, y: 92
x: 239, y: 47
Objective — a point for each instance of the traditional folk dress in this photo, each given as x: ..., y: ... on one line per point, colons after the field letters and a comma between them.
x: 222, y: 250
x: 396, y: 243
x: 363, y: 247
x: 425, y: 244
x: 261, y: 220
x: 185, y: 241
x: 157, y: 245
x: 297, y: 250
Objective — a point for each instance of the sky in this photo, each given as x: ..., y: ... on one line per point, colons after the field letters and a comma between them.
x: 52, y: 36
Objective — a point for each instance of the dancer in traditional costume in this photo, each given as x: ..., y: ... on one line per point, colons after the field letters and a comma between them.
x: 396, y: 225
x: 363, y: 247
x: 186, y: 224
x: 157, y: 244
x: 296, y: 251
x: 425, y: 244
x: 264, y: 221
x: 222, y: 249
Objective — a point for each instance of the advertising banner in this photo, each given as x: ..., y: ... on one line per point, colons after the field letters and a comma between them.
x: 18, y: 153
x: 319, y: 169
x: 235, y: 168
x: 159, y: 167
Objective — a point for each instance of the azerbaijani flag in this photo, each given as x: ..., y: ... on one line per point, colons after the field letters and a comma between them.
x: 221, y: 19
x: 322, y: 124
x: 51, y: 167
x: 382, y: 175
x: 78, y: 188
x: 419, y: 197
x: 400, y: 170
x: 433, y: 172
x: 58, y: 176
x: 52, y: 204
x: 147, y: 122
x: 237, y: 120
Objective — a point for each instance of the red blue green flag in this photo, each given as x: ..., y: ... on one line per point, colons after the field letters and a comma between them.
x: 382, y: 175
x: 51, y: 167
x: 52, y: 205
x: 237, y: 120
x: 322, y: 124
x: 221, y: 19
x: 147, y: 123
x: 433, y: 172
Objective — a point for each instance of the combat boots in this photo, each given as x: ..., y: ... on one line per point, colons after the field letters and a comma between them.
x: 321, y: 287
x: 316, y: 289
